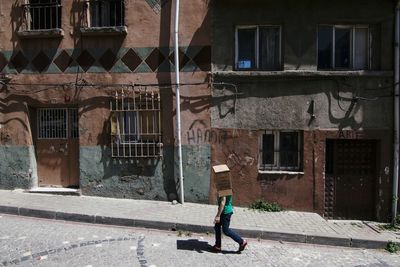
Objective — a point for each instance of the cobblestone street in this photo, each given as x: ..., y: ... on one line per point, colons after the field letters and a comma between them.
x: 39, y: 242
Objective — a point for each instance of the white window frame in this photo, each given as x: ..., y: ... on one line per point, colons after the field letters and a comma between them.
x: 257, y: 45
x: 276, y: 166
x: 352, y: 48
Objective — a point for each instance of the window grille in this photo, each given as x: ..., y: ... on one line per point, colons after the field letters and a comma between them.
x: 136, y: 124
x: 57, y: 123
x: 42, y: 14
x: 102, y: 13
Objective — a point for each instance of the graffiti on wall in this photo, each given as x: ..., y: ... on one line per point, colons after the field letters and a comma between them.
x: 5, y: 137
x: 199, y: 133
x: 350, y: 134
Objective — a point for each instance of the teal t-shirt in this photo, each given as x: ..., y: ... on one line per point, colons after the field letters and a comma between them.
x: 228, y: 208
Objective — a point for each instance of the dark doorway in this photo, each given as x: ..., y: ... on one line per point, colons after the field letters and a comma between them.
x: 350, y: 179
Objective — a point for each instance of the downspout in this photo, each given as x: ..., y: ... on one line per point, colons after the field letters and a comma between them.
x: 396, y: 113
x: 178, y: 102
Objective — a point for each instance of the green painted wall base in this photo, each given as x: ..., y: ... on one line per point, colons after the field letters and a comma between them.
x: 17, y: 167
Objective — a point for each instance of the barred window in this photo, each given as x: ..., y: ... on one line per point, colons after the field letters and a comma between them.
x: 281, y: 150
x: 105, y: 13
x: 136, y: 124
x: 43, y: 14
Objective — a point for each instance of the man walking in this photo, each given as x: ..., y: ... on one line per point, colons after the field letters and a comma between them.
x: 223, y: 219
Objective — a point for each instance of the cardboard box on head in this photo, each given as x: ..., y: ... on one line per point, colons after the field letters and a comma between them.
x: 222, y: 178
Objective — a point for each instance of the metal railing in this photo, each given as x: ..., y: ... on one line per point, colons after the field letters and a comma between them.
x: 102, y: 13
x: 136, y: 124
x: 42, y: 15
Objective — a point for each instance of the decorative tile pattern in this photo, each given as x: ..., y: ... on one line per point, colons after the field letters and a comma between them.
x: 155, y: 59
x: 85, y: 60
x: 100, y: 60
x: 41, y: 62
x: 183, y: 59
x: 131, y: 60
x: 63, y: 60
x: 156, y: 5
x: 108, y: 60
x: 18, y: 61
x: 202, y: 59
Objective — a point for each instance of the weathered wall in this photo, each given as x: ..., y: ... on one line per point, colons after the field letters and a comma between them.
x: 17, y: 167
x: 299, y: 20
x: 143, y: 56
x: 324, y: 104
x: 286, y: 103
x: 303, y: 190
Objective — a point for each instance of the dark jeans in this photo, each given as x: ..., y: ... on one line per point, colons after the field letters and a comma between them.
x: 225, y: 220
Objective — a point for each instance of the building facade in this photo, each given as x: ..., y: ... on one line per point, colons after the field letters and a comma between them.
x: 296, y: 97
x: 306, y: 103
x: 87, y: 96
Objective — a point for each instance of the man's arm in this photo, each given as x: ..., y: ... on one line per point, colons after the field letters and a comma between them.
x: 220, y: 209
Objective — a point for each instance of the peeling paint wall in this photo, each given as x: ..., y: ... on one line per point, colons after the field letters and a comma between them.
x: 75, y: 60
x: 322, y: 104
x: 17, y: 167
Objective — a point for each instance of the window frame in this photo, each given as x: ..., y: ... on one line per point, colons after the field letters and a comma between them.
x: 103, y: 15
x: 277, y: 149
x: 257, y: 46
x: 353, y: 28
x: 144, y: 138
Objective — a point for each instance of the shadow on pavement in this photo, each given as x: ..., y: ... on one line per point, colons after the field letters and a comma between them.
x: 198, y: 246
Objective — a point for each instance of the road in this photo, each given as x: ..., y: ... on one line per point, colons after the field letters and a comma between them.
x: 38, y: 242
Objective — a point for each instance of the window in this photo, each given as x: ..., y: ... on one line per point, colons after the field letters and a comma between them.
x: 104, y: 13
x: 258, y: 48
x: 343, y: 47
x: 43, y: 14
x: 136, y: 125
x: 281, y: 150
x: 57, y: 123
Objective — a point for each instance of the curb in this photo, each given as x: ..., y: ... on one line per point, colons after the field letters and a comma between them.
x: 171, y: 226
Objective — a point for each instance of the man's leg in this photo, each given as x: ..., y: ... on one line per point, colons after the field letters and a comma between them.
x: 225, y: 221
x: 217, y: 229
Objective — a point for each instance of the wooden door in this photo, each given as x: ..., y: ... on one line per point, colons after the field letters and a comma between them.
x: 57, y: 147
x: 354, y: 179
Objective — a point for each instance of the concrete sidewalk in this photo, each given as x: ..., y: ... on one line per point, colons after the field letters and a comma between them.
x: 289, y: 226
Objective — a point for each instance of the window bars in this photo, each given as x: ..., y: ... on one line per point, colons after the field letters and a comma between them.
x: 42, y: 14
x: 57, y: 123
x: 136, y: 124
x: 102, y: 13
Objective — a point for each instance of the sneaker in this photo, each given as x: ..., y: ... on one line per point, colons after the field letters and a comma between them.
x: 216, y: 249
x: 243, y: 245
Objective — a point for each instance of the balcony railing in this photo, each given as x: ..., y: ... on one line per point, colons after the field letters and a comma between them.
x: 42, y: 16
x: 101, y: 13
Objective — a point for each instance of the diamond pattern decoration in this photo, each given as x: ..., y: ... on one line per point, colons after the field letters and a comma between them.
x: 139, y: 60
x: 108, y: 59
x: 155, y: 59
x: 203, y: 59
x: 131, y: 59
x: 183, y: 59
x: 19, y: 61
x: 3, y: 61
x: 41, y: 62
x: 63, y: 61
x: 85, y: 60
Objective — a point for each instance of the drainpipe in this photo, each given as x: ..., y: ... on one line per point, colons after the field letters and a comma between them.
x: 178, y: 102
x: 396, y: 113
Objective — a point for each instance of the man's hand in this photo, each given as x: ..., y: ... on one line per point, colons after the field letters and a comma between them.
x: 217, y: 219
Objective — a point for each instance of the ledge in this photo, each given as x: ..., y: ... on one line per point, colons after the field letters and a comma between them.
x: 302, y: 74
x: 104, y: 31
x: 47, y: 33
x: 281, y: 172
